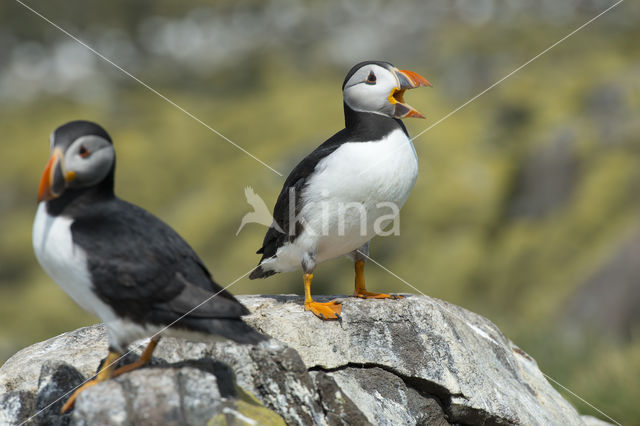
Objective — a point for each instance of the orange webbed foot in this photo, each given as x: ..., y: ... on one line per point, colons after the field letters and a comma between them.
x: 325, y: 311
x: 364, y: 294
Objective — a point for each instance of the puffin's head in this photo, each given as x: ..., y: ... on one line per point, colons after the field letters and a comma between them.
x: 378, y: 87
x: 82, y: 156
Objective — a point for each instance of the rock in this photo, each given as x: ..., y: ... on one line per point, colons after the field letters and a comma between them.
x: 15, y: 407
x: 84, y: 348
x: 416, y: 360
x: 181, y: 395
x: 271, y: 371
x: 339, y: 409
x: 385, y: 399
x: 440, y: 350
x: 56, y: 379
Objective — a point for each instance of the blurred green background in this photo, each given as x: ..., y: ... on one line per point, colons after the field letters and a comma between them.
x: 526, y: 209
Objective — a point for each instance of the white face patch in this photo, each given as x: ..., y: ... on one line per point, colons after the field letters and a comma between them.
x: 361, y: 94
x: 90, y: 157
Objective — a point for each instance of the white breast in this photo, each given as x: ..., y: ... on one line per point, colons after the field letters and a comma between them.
x: 65, y: 263
x: 357, y: 177
x: 367, y: 172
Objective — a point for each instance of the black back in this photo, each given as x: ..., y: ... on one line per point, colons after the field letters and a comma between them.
x: 142, y: 268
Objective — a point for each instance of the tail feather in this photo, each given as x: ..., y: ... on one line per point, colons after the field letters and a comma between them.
x: 233, y: 329
x: 260, y: 272
x: 236, y: 330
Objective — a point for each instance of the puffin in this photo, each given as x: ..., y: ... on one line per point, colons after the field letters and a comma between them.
x: 350, y: 187
x: 120, y: 262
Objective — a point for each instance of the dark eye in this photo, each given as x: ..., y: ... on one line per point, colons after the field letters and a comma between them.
x: 84, y: 152
x: 371, y: 78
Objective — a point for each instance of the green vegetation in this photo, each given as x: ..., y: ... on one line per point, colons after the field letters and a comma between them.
x: 478, y: 230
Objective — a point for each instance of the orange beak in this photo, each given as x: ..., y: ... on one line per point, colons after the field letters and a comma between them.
x: 53, y: 180
x: 406, y: 80
x: 415, y: 79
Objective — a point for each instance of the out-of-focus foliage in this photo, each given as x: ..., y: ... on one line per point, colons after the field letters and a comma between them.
x: 525, y: 199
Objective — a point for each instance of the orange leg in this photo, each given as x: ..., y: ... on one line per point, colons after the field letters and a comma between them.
x: 105, y: 373
x: 361, y: 291
x: 325, y: 311
x: 143, y: 359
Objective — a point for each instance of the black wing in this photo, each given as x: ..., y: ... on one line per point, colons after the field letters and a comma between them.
x: 296, y: 181
x: 144, y: 270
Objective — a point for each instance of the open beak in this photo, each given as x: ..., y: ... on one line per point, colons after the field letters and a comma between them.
x: 54, y: 180
x: 406, y: 80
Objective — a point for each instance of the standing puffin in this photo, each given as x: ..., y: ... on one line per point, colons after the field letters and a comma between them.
x: 118, y: 261
x: 331, y: 203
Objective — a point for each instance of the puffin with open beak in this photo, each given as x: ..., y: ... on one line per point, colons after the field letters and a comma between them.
x: 120, y: 262
x: 350, y: 187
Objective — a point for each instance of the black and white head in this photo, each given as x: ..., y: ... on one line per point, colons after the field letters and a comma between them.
x: 378, y: 87
x: 82, y: 156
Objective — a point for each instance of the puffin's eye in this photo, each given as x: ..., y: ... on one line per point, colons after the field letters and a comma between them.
x: 371, y: 79
x: 84, y: 152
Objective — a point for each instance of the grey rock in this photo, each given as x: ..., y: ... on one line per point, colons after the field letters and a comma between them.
x: 83, y: 348
x: 179, y: 395
x: 385, y: 399
x: 416, y: 360
x: 186, y: 393
x: 148, y: 391
x: 56, y: 380
x: 339, y: 409
x: 102, y: 405
x: 201, y: 396
x: 167, y: 396
x: 271, y: 371
x: 16, y: 407
x: 459, y: 357
x: 183, y: 385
